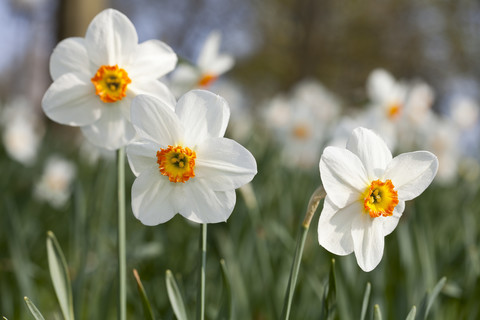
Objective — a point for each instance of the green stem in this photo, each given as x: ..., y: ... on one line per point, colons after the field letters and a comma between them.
x: 317, y: 195
x: 122, y: 295
x: 201, y: 293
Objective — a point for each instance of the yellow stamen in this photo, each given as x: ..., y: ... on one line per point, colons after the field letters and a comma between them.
x: 380, y: 198
x: 111, y: 83
x: 177, y: 163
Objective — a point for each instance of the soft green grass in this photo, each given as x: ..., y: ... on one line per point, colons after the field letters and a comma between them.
x: 438, y: 236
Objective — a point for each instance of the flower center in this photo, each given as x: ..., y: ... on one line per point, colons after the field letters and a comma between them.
x: 177, y: 163
x: 206, y: 80
x: 111, y: 83
x: 301, y: 131
x: 394, y: 110
x: 379, y: 199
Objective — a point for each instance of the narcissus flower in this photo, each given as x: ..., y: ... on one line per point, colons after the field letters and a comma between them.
x: 182, y: 161
x: 96, y: 78
x: 366, y: 193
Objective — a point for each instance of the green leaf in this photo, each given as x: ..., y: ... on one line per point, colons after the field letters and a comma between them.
x: 175, y: 297
x: 228, y: 289
x: 329, y: 295
x: 412, y: 313
x: 59, y: 274
x: 366, y: 298
x: 33, y: 310
x: 147, y: 309
x: 377, y: 314
x: 430, y: 297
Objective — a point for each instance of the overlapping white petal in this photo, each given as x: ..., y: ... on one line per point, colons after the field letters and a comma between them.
x: 344, y: 225
x: 70, y: 55
x: 71, y: 100
x: 111, y: 131
x: 371, y: 150
x: 153, y: 58
x: 412, y: 172
x: 343, y: 175
x: 221, y: 165
x: 111, y: 39
x: 211, y: 108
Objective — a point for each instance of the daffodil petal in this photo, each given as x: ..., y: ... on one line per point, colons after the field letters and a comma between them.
x: 391, y: 222
x: 70, y: 55
x: 200, y: 204
x: 224, y: 164
x: 222, y: 64
x: 142, y: 155
x: 205, y: 105
x: 154, y: 88
x: 151, y: 195
x: 210, y: 49
x: 71, y: 100
x: 371, y: 150
x: 155, y: 120
x: 154, y: 59
x: 334, y: 227
x: 111, y: 39
x: 343, y: 176
x: 112, y: 131
x: 380, y: 85
x: 368, y: 241
x: 411, y: 173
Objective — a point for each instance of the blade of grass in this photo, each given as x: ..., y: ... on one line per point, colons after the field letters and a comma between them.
x: 377, y: 313
x: 430, y: 297
x: 329, y: 296
x: 313, y: 203
x: 59, y: 274
x: 366, y: 298
x: 33, y: 310
x: 175, y: 297
x: 147, y: 309
x: 412, y: 313
x: 228, y: 289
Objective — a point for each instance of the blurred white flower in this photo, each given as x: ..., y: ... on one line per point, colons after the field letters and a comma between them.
x: 302, y: 122
x: 465, y: 112
x: 182, y: 162
x: 209, y: 66
x: 96, y: 78
x: 54, y: 186
x: 366, y: 193
x: 22, y: 131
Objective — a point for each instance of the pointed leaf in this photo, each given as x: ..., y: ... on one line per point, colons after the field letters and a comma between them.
x: 366, y: 298
x: 175, y: 297
x: 412, y: 313
x: 33, y: 310
x: 377, y: 314
x: 228, y: 289
x: 59, y: 274
x: 329, y: 295
x: 430, y: 297
x: 147, y: 309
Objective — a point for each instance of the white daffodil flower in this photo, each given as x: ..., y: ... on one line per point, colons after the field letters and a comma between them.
x: 366, y: 193
x: 182, y: 162
x: 96, y: 78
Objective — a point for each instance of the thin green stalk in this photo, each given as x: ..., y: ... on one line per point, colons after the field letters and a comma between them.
x: 201, y: 293
x: 317, y: 195
x: 122, y: 270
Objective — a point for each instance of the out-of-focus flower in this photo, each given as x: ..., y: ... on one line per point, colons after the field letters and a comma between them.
x: 22, y: 132
x: 366, y: 193
x: 96, y: 78
x: 54, y: 186
x: 209, y: 66
x: 302, y: 122
x: 182, y: 162
x: 465, y: 112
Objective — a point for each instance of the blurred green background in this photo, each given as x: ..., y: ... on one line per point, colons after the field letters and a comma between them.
x: 276, y: 44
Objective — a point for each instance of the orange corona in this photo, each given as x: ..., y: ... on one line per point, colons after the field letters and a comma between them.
x: 111, y: 83
x: 177, y: 163
x: 380, y: 198
x: 206, y: 80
